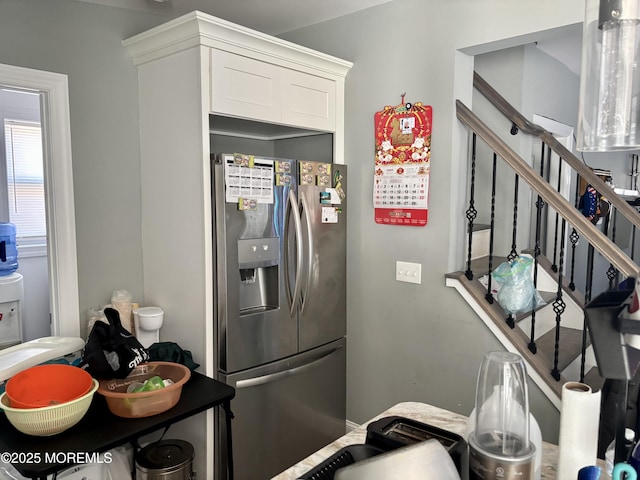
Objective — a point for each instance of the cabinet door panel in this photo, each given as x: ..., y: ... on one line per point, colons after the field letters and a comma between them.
x: 244, y: 87
x: 308, y: 101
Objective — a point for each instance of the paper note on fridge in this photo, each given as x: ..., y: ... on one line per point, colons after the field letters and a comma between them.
x: 329, y: 215
x: 253, y: 179
x: 335, y: 198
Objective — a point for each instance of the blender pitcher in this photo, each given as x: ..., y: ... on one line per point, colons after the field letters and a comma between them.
x: 499, y: 447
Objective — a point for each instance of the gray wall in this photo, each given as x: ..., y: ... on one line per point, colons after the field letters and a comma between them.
x: 84, y: 41
x: 406, y: 342
x: 418, y: 342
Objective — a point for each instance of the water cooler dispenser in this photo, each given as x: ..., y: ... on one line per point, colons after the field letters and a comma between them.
x: 11, y: 288
x: 11, y: 293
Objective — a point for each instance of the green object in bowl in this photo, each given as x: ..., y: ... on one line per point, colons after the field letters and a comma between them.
x: 153, y: 383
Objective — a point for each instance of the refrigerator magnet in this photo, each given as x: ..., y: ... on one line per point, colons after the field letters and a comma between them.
x: 247, y: 204
x: 243, y: 160
x: 324, y: 169
x: 330, y: 196
x: 323, y: 180
x: 325, y: 198
x: 283, y: 167
x: 283, y: 179
x: 337, y: 186
x: 306, y: 167
x: 307, y: 179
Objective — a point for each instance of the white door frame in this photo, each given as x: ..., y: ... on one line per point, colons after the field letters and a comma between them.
x: 58, y: 179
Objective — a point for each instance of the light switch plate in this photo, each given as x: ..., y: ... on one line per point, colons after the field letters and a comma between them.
x: 409, y: 272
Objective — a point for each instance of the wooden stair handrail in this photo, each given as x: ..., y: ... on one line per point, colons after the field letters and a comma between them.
x: 547, y: 137
x: 600, y: 241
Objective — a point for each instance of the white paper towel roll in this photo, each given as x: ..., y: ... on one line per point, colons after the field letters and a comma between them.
x: 579, y: 421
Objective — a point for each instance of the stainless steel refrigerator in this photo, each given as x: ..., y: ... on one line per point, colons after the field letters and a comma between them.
x: 280, y: 269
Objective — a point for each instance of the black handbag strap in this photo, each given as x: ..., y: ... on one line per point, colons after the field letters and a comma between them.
x: 113, y: 316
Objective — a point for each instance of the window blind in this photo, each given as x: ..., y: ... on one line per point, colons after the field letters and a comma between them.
x: 25, y: 181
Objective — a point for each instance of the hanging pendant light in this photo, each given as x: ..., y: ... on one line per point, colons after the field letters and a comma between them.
x: 609, y: 109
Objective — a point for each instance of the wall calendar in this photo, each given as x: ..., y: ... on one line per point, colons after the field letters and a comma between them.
x: 402, y: 164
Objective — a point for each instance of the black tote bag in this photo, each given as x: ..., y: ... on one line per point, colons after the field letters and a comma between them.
x: 111, y: 351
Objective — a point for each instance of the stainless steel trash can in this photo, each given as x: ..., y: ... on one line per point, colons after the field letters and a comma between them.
x: 166, y: 460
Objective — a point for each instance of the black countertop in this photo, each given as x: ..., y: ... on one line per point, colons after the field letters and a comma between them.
x: 100, y: 430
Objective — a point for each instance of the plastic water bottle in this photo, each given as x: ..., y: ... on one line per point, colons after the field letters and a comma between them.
x: 8, y: 249
x: 610, y: 452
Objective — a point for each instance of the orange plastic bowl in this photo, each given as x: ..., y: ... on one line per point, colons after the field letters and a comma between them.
x: 46, y: 385
x: 145, y: 404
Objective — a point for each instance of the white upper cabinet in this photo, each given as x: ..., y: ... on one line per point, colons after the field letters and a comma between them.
x: 308, y: 100
x: 244, y: 87
x: 253, y: 75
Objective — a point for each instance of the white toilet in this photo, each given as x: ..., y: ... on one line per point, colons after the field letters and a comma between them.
x: 147, y: 323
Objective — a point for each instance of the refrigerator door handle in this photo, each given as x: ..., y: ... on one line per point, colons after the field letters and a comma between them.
x: 292, y: 211
x: 274, y: 377
x: 310, y: 250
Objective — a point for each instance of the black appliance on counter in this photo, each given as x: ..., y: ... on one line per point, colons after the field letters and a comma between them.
x: 384, y: 435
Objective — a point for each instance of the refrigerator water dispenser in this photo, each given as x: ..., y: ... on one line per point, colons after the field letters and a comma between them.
x: 258, y: 264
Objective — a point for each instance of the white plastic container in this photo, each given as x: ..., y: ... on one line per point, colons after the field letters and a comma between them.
x: 147, y: 321
x: 121, y: 301
x: 28, y: 354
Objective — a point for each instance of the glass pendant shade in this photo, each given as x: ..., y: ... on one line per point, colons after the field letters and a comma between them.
x: 609, y: 109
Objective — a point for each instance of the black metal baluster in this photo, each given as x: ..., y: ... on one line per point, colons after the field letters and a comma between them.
x: 584, y: 349
x: 536, y: 253
x: 633, y: 243
x: 574, y: 237
x: 471, y: 212
x: 554, y: 267
x: 513, y: 254
x: 559, y: 306
x: 587, y: 298
x: 489, y: 295
x: 612, y: 272
x: 589, y: 278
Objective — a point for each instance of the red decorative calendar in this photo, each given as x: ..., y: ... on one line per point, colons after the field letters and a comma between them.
x: 402, y: 163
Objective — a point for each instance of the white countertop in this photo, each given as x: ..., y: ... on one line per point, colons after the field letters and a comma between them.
x: 421, y: 412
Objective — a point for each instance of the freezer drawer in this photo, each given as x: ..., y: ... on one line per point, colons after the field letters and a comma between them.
x: 284, y: 411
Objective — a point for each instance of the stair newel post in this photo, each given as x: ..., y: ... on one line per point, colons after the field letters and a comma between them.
x: 559, y: 306
x: 554, y: 267
x: 489, y: 295
x: 471, y: 212
x: 513, y: 254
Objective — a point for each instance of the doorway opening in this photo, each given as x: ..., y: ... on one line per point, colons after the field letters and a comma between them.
x: 51, y: 90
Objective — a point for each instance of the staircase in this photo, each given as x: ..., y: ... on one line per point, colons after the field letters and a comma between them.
x: 553, y: 338
x: 517, y: 339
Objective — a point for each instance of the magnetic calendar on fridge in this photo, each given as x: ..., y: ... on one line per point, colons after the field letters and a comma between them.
x: 402, y: 164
